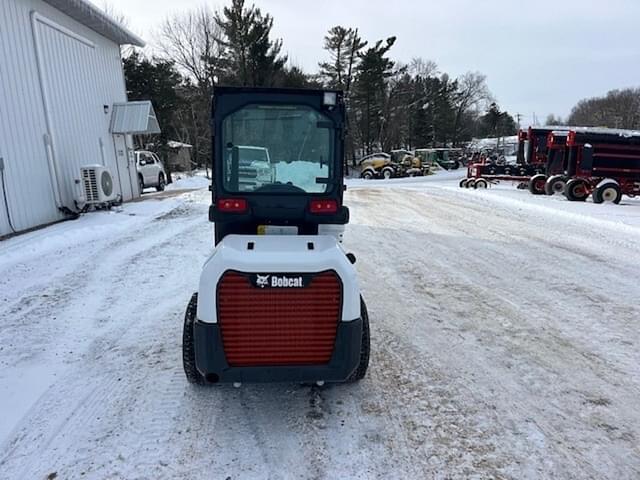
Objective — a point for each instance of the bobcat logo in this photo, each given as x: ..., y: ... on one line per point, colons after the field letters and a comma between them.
x: 262, y: 280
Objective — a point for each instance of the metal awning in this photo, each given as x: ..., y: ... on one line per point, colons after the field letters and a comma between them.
x: 96, y: 19
x: 136, y: 118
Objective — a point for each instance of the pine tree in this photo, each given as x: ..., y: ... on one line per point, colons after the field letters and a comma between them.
x: 250, y: 57
x: 343, y: 45
x: 370, y: 92
x: 156, y: 80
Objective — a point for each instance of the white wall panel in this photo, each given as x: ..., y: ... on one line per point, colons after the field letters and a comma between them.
x: 22, y: 126
x: 79, y: 78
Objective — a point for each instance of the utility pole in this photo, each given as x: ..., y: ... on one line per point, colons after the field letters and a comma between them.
x: 519, y: 119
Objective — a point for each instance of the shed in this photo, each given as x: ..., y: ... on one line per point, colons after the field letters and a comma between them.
x: 61, y: 84
x: 179, y: 156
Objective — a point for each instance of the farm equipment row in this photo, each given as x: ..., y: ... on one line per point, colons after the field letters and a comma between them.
x: 403, y: 163
x: 576, y: 161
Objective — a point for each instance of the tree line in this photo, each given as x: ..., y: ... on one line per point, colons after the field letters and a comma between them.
x: 389, y: 104
x: 616, y: 109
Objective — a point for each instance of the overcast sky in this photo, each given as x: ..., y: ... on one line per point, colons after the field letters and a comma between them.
x: 539, y: 56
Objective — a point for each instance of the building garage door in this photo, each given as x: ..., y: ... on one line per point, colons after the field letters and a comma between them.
x: 76, y: 102
x: 29, y: 191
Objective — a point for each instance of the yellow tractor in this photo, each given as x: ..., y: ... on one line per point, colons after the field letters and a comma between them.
x: 410, y: 165
x: 378, y: 165
x: 401, y: 163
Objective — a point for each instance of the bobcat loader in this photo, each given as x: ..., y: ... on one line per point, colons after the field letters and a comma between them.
x: 278, y: 300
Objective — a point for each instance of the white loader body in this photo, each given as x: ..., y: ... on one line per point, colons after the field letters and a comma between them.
x: 273, y: 255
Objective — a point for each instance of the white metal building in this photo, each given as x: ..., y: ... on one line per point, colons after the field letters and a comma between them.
x: 63, y: 104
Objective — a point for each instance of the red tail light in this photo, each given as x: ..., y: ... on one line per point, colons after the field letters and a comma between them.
x: 232, y: 205
x: 323, y: 206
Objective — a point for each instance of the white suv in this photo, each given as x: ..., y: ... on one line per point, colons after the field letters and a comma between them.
x: 255, y: 168
x: 150, y: 171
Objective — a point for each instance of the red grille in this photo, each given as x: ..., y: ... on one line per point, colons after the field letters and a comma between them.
x: 278, y: 326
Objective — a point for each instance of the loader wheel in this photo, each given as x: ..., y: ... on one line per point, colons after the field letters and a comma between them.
x: 367, y: 174
x: 365, y: 347
x: 576, y: 190
x: 188, y: 352
x: 387, y: 173
x: 607, y: 192
x: 555, y: 184
x: 537, y: 184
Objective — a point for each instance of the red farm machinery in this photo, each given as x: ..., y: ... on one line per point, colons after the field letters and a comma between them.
x: 531, y: 161
x: 553, y: 179
x: 601, y: 162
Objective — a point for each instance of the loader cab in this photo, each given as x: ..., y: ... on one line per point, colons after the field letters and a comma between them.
x: 278, y: 157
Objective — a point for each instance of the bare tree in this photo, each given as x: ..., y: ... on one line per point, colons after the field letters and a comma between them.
x: 115, y: 14
x: 121, y: 19
x: 552, y: 120
x: 618, y: 109
x: 192, y: 40
x: 472, y: 91
x: 419, y: 67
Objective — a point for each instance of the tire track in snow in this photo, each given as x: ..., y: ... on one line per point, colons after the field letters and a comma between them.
x: 99, y: 348
x: 461, y: 262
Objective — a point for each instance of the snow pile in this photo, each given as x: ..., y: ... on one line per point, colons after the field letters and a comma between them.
x: 302, y: 174
x: 510, y: 144
x: 182, y: 181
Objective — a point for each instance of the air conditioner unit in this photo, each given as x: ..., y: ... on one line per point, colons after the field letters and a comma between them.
x: 98, y: 185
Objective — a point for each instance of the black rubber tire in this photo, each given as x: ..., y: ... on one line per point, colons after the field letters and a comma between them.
x: 480, y: 183
x: 367, y: 175
x: 365, y: 347
x: 140, y: 183
x: 555, y: 184
x: 463, y: 182
x: 576, y: 190
x: 387, y: 173
x: 161, y: 183
x: 603, y: 192
x: 470, y: 183
x: 188, y: 351
x: 537, y: 184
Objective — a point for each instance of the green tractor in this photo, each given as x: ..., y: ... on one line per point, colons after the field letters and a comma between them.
x: 447, y: 158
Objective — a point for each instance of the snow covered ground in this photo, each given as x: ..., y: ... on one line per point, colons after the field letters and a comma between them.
x: 504, y: 332
x: 183, y: 181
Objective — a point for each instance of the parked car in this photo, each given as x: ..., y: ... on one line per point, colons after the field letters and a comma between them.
x: 151, y: 172
x: 255, y: 168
